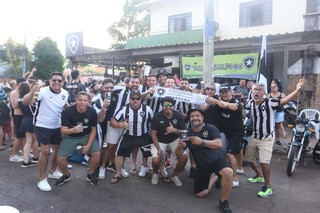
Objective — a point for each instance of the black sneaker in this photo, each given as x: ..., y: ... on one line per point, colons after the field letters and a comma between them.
x: 192, y: 173
x: 92, y: 179
x: 29, y: 164
x: 35, y: 160
x: 62, y: 179
x: 224, y: 207
x: 111, y: 168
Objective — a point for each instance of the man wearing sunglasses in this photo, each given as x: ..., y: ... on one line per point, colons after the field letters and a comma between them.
x: 50, y: 103
x: 165, y: 131
x: 134, y: 119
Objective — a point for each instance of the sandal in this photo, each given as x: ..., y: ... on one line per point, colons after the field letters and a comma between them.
x: 166, y: 179
x: 115, y: 180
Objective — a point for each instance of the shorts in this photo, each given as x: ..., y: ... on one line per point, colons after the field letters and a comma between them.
x: 279, y: 117
x: 202, y: 176
x: 17, y: 120
x: 164, y: 146
x: 113, y: 134
x: 68, y: 145
x: 128, y: 143
x: 26, y: 125
x: 234, y: 143
x: 263, y: 148
x: 48, y: 136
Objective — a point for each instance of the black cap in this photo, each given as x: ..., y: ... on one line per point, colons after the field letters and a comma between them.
x: 135, y: 93
x: 168, y: 99
x: 194, y: 109
x: 20, y: 80
x: 162, y: 72
x: 224, y: 87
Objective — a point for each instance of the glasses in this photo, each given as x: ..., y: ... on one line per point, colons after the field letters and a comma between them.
x: 135, y: 99
x: 107, y: 87
x: 167, y: 105
x: 212, y: 89
x: 56, y: 80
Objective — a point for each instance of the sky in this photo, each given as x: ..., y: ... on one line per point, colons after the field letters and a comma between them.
x: 50, y: 18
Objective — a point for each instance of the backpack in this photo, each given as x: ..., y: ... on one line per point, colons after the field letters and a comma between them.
x: 4, y: 113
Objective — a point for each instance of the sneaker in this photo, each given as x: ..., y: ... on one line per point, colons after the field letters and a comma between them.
x: 155, y: 179
x: 265, y: 192
x: 256, y: 179
x: 240, y: 171
x: 124, y: 173
x: 92, y: 179
x: 235, y: 184
x: 111, y: 168
x: 278, y: 143
x: 176, y: 180
x: 44, y: 185
x: 55, y: 175
x: 15, y: 159
x: 62, y: 180
x: 192, y: 173
x: 29, y: 164
x: 102, y: 173
x: 143, y: 171
x: 35, y: 160
x: 224, y: 206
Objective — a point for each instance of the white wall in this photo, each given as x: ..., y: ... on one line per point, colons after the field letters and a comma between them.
x: 287, y: 16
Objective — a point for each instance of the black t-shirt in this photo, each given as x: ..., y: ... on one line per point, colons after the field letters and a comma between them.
x: 203, y: 156
x: 73, y: 89
x: 160, y: 122
x: 231, y: 120
x: 70, y: 118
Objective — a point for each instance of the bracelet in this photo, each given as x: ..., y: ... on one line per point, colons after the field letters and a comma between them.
x: 203, y: 143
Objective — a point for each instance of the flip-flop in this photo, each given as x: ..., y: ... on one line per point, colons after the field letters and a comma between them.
x: 2, y: 148
x: 166, y: 179
x: 115, y: 180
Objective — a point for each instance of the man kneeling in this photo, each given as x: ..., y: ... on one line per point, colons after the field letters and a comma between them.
x: 205, y: 143
x: 78, y: 125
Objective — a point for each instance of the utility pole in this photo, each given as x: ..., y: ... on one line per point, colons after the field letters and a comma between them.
x: 208, y: 42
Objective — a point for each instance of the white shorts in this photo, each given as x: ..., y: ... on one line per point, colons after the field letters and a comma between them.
x: 113, y: 134
x: 164, y: 146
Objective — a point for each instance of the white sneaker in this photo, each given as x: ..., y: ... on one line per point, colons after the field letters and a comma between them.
x: 55, y: 175
x: 176, y: 180
x: 124, y: 173
x: 235, y: 184
x: 143, y: 171
x: 240, y: 171
x: 44, y: 185
x: 102, y: 173
x: 15, y: 159
x: 155, y: 179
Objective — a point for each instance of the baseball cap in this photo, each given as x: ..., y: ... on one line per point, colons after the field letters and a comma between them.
x: 20, y: 80
x: 197, y: 108
x: 135, y: 93
x: 161, y: 72
x: 224, y: 87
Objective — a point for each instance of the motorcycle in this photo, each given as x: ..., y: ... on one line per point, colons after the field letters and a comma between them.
x: 299, y: 146
x: 290, y: 112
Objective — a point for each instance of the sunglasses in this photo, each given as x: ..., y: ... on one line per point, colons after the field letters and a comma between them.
x: 167, y: 105
x: 135, y: 99
x: 108, y: 87
x: 56, y: 80
x: 212, y: 89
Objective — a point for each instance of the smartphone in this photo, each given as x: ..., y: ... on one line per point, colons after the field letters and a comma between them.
x: 108, y: 95
x: 184, y: 135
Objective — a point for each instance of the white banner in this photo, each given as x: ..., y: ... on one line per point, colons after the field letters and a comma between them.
x: 180, y: 95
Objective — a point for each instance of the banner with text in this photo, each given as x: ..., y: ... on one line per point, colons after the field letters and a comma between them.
x: 180, y: 95
x: 225, y: 66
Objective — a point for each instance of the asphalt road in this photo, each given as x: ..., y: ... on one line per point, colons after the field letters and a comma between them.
x: 300, y: 193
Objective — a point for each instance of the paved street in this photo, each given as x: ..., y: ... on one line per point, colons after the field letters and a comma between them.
x: 300, y: 193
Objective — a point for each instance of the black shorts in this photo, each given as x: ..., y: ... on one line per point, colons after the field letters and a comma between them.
x: 48, y: 136
x: 17, y: 120
x: 128, y: 143
x: 202, y: 176
x: 234, y: 143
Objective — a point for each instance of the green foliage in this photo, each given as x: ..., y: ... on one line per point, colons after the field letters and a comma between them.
x: 3, y: 54
x: 14, y: 55
x: 48, y: 58
x: 135, y: 22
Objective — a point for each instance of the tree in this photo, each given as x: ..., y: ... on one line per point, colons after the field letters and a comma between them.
x: 14, y: 55
x: 48, y: 58
x: 135, y: 22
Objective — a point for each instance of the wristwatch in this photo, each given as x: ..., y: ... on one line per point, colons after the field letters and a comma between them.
x: 203, y: 143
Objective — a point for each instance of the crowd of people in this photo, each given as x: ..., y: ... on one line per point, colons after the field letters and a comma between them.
x: 110, y: 123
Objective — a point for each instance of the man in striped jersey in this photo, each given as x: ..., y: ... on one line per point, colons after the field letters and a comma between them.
x: 262, y: 111
x: 134, y: 119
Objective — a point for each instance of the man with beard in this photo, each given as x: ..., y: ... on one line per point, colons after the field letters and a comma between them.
x: 79, y: 128
x: 262, y: 112
x: 165, y: 130
x: 205, y: 143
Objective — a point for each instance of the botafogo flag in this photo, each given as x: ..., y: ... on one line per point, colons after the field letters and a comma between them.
x: 262, y: 69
